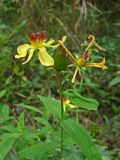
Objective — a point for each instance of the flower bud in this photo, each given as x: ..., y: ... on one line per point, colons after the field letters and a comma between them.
x: 81, y: 62
x: 60, y: 59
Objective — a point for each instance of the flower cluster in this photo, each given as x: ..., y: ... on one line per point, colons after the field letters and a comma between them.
x: 39, y: 44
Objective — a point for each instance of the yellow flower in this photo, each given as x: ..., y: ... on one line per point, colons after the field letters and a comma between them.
x: 98, y: 65
x: 82, y: 61
x: 66, y: 102
x: 38, y: 42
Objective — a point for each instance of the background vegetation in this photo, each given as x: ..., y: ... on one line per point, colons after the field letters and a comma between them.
x: 21, y: 84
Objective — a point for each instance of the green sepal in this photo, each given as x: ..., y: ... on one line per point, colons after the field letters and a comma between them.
x: 60, y: 60
x: 81, y: 62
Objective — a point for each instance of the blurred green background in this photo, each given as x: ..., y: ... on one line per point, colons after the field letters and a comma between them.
x: 76, y: 19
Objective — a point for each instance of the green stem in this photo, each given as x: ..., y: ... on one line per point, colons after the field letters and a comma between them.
x: 81, y: 82
x: 61, y: 97
x: 77, y: 115
x: 59, y: 86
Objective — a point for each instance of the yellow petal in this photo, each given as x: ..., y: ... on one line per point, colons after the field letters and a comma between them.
x: 60, y: 42
x: 44, y: 57
x: 51, y: 41
x: 29, y: 56
x: 64, y: 38
x: 75, y: 73
x: 67, y: 51
x: 67, y: 102
x: 64, y: 108
x: 57, y: 45
x: 98, y: 65
x: 22, y: 50
x: 72, y: 106
x: 92, y: 39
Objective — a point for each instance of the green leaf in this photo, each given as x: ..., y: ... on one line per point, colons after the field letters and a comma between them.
x: 52, y: 106
x: 32, y: 108
x: 9, y: 128
x: 60, y: 60
x: 116, y: 24
x: 46, y: 124
x: 114, y: 81
x: 80, y: 101
x: 36, y: 152
x: 4, y: 111
x: 2, y: 93
x: 82, y: 139
x: 20, y: 124
x: 43, y: 121
x: 6, y: 145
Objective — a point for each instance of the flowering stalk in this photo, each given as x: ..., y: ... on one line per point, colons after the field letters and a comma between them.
x: 61, y: 99
x: 60, y: 89
x: 81, y: 83
x: 59, y: 62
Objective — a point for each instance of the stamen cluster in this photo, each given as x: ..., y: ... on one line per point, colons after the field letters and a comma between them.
x: 85, y: 56
x: 39, y: 36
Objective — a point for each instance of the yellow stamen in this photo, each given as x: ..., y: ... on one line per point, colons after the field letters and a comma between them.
x: 92, y: 39
x: 74, y: 76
